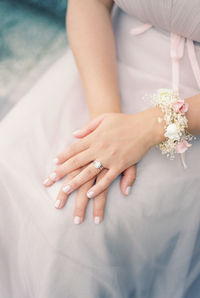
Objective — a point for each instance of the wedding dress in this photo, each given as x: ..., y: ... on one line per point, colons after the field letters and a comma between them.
x: 148, y: 245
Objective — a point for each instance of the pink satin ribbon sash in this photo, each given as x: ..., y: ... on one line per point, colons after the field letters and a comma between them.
x: 177, y: 44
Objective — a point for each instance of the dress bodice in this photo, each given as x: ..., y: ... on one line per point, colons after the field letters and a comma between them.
x: 178, y: 16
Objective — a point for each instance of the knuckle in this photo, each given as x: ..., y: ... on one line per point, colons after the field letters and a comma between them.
x: 113, y: 173
x: 130, y: 176
x: 99, y: 210
x: 96, y: 145
x: 100, y: 175
x: 131, y: 170
x: 79, y: 210
x: 106, y: 181
x: 71, y: 149
x: 71, y: 175
x: 90, y: 172
x: 82, y: 192
x: 86, y: 142
x: 69, y: 178
x: 102, y: 145
x: 74, y: 162
x: 60, y: 171
x: 75, y: 183
x: 120, y: 164
x: 113, y: 152
x: 93, y: 149
x: 134, y: 177
x: 101, y: 197
x: 68, y: 152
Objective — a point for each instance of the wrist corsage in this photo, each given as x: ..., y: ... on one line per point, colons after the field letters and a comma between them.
x: 174, y: 109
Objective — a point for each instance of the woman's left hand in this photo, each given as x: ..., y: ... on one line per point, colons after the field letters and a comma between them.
x: 116, y: 140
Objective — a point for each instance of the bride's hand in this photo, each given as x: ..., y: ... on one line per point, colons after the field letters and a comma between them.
x: 82, y: 199
x: 99, y: 201
x: 128, y: 176
x: 117, y: 140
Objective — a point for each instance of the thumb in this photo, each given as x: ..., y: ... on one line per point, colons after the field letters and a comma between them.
x: 88, y: 127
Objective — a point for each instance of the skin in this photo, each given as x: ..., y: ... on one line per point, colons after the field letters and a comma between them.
x: 96, y: 63
x: 121, y: 146
x: 110, y: 137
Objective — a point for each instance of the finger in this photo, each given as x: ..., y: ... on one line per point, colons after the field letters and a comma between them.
x: 89, y: 127
x: 100, y: 186
x: 99, y: 201
x: 127, y: 180
x: 72, y: 150
x: 81, y: 202
x: 70, y: 165
x: 62, y: 197
x: 85, y: 175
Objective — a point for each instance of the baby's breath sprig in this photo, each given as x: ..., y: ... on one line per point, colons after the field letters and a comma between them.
x: 174, y: 109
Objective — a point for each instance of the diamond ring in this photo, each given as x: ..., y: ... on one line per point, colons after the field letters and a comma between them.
x: 97, y: 164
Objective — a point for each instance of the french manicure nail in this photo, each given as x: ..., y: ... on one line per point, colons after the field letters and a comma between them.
x: 66, y: 188
x: 52, y: 176
x: 47, y: 181
x: 55, y: 160
x: 57, y: 203
x: 77, y: 220
x: 128, y: 189
x: 90, y: 194
x: 97, y: 220
x: 76, y: 132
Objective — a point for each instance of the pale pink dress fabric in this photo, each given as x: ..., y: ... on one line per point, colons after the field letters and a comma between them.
x: 148, y: 245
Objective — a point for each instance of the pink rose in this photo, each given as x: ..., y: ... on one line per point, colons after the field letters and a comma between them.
x: 182, y: 146
x: 181, y: 106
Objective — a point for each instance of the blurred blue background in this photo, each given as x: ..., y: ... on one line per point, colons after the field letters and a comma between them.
x: 33, y: 36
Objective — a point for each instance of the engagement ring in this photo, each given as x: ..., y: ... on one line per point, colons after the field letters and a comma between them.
x: 97, y: 164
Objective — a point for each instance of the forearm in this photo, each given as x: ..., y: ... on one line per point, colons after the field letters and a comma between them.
x: 91, y: 39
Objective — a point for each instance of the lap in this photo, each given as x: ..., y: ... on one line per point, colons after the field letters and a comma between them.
x: 144, y: 232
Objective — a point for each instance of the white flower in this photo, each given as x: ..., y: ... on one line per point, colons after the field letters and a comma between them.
x: 172, y: 132
x: 164, y: 95
x: 164, y: 90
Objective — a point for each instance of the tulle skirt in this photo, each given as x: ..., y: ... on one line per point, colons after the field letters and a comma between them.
x: 148, y: 244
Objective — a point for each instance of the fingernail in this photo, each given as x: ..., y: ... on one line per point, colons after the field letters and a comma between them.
x: 47, y: 181
x: 52, y: 176
x: 128, y: 189
x: 90, y: 194
x: 57, y: 203
x: 66, y: 188
x: 77, y: 220
x: 76, y: 132
x: 55, y: 160
x: 97, y: 220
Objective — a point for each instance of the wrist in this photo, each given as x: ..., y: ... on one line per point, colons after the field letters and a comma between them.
x: 165, y: 124
x: 95, y: 114
x: 148, y: 127
x: 156, y: 129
